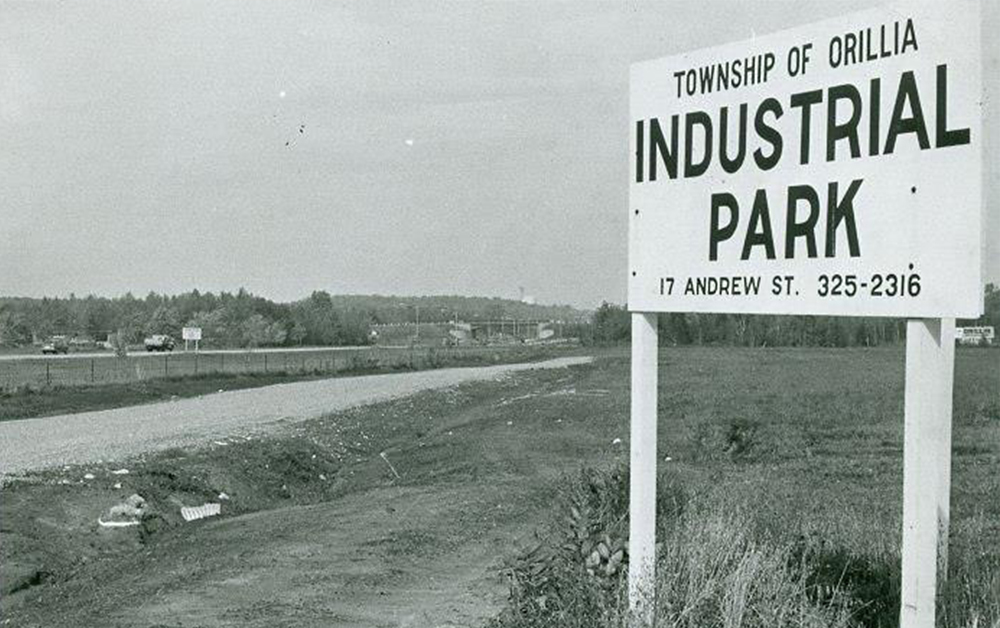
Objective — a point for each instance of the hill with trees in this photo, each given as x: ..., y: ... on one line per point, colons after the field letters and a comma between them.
x: 242, y: 319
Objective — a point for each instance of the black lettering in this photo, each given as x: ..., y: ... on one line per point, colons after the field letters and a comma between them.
x: 639, y: 152
x: 836, y: 52
x: 707, y: 74
x: 806, y: 229
x: 768, y: 64
x: 806, y: 100
x: 719, y: 233
x: 913, y: 124
x: 849, y: 129
x: 768, y: 134
x: 909, y: 37
x: 849, y: 43
x: 723, y: 76
x: 692, y: 169
x: 732, y: 165
x: 842, y: 212
x: 658, y: 147
x: 874, y: 114
x: 944, y: 137
x: 759, y: 230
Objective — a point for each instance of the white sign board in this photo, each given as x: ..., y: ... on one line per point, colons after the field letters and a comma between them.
x: 191, y: 333
x: 833, y: 169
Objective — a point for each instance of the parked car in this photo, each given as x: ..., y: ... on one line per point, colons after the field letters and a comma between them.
x: 57, y: 344
x: 159, y: 342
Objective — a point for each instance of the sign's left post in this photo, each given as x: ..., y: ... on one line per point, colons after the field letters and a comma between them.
x: 642, y: 473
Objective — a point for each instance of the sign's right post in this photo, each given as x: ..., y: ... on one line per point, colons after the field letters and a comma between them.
x: 930, y: 368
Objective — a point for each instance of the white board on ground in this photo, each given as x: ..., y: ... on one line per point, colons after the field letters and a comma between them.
x: 832, y: 169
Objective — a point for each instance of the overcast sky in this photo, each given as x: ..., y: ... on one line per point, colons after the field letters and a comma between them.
x: 364, y: 147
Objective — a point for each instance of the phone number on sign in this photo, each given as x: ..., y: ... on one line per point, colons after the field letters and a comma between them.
x: 878, y: 285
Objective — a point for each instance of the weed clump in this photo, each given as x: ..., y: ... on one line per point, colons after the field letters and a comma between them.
x: 574, y: 574
x: 716, y: 566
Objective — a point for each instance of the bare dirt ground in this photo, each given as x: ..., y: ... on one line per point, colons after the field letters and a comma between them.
x: 115, y: 434
x: 319, y: 530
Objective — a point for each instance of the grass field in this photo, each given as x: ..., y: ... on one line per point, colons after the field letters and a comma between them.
x: 779, y: 506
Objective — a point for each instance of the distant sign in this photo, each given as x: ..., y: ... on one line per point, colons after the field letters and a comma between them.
x: 834, y: 168
x: 975, y: 335
x: 191, y: 333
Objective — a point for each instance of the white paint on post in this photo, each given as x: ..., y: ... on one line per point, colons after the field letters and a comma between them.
x: 642, y: 473
x: 930, y: 368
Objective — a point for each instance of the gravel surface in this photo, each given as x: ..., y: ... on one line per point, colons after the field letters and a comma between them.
x: 108, y: 435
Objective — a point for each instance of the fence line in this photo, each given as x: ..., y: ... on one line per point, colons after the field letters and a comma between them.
x: 48, y: 372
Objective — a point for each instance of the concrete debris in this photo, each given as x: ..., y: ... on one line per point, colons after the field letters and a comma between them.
x: 223, y: 497
x: 191, y: 513
x: 120, y: 472
x: 116, y: 524
x: 127, y: 513
x: 88, y: 476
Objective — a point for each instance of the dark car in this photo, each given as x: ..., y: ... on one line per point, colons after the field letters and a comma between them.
x: 58, y: 344
x: 159, y: 342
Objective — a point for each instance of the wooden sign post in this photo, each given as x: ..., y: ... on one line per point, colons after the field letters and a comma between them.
x: 835, y: 169
x: 930, y: 371
x: 642, y: 471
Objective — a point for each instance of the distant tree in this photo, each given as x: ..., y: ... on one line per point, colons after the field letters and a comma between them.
x: 296, y: 333
x: 14, y: 331
x: 254, y: 331
x: 119, y: 343
x: 612, y: 324
x: 165, y: 319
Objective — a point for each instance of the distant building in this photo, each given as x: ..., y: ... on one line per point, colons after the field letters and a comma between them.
x: 974, y: 335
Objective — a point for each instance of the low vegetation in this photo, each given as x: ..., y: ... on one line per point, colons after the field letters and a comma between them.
x: 779, y: 505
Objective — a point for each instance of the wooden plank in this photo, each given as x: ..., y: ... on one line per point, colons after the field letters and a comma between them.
x: 642, y: 473
x: 930, y: 369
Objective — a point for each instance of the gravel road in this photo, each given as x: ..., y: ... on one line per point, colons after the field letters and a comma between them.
x: 107, y: 435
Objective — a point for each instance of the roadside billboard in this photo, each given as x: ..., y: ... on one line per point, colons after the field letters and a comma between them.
x: 832, y: 169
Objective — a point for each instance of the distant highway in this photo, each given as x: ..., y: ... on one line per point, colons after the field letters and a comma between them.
x: 140, y: 352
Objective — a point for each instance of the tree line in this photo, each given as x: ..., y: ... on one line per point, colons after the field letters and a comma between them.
x: 242, y: 319
x: 612, y: 324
